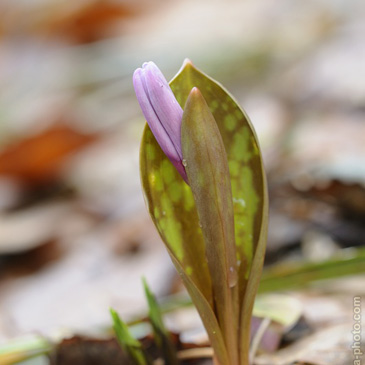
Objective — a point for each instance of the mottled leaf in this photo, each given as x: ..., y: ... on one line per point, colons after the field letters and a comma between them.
x: 172, y: 208
x: 244, y: 158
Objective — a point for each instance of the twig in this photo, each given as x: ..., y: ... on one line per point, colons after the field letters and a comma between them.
x: 258, y: 337
x: 195, y: 353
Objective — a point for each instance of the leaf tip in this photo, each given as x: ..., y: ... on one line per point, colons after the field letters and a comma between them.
x: 196, y: 100
x: 195, y: 91
x: 187, y: 62
x: 187, y: 65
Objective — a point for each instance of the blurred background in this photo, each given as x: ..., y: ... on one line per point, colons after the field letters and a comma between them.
x: 75, y: 237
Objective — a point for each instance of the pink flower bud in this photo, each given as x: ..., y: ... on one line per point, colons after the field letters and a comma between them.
x: 161, y: 110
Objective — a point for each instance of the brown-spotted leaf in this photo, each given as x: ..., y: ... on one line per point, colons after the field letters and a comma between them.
x: 244, y: 160
x: 171, y: 205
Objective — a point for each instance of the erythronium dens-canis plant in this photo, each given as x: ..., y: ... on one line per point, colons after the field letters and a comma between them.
x: 205, y: 187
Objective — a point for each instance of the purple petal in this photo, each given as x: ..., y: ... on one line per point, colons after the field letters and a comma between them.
x: 164, y: 103
x: 168, y: 137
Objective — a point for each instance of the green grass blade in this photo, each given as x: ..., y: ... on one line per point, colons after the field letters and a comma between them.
x: 288, y: 276
x: 23, y: 349
x: 161, y: 335
x: 129, y: 344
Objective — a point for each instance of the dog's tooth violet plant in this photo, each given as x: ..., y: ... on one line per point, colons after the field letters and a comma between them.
x: 205, y: 187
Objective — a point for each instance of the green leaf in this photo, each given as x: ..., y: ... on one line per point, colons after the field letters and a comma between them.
x: 161, y: 335
x: 286, y: 276
x: 22, y: 349
x: 206, y: 166
x: 128, y: 343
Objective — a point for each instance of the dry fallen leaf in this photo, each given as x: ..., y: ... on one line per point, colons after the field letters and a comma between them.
x: 38, y: 159
x: 86, y: 22
x: 328, y: 346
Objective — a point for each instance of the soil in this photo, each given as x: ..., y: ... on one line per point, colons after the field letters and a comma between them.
x: 79, y: 350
